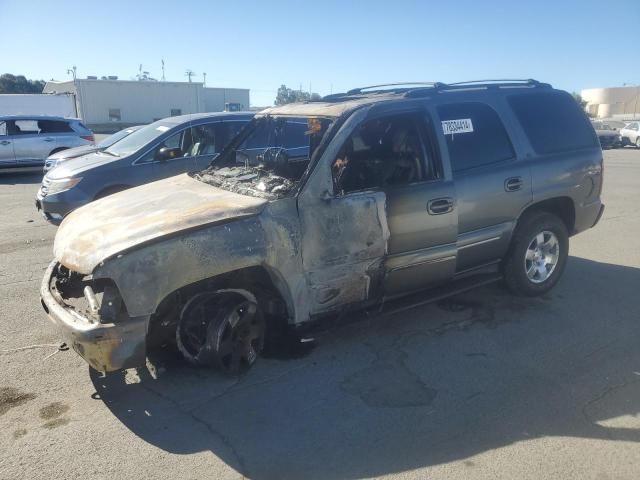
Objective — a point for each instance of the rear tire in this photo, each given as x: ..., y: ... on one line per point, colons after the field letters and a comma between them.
x: 538, y: 254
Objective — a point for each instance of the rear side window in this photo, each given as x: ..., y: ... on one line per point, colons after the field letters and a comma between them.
x: 54, y: 126
x: 26, y: 127
x: 294, y: 135
x: 475, y: 135
x: 260, y: 138
x: 553, y: 122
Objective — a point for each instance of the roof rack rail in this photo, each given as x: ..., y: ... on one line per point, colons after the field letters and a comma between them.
x: 497, y: 80
x: 384, y: 86
x: 417, y: 89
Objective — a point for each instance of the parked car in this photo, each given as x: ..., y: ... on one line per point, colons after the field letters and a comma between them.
x: 158, y: 150
x: 26, y: 141
x: 423, y: 191
x: 630, y: 134
x: 62, y: 155
x: 608, y: 136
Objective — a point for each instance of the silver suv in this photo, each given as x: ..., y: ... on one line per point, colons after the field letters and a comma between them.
x: 27, y: 140
x: 416, y: 191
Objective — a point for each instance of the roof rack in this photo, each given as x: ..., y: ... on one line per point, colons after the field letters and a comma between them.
x: 530, y: 81
x: 423, y: 88
x: 384, y: 87
x: 400, y: 87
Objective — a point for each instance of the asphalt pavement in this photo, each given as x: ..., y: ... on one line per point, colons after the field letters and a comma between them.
x: 481, y: 386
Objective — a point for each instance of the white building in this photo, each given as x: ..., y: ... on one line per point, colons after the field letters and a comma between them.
x: 111, y: 104
x: 620, y: 103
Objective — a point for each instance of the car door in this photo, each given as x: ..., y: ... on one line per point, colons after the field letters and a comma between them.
x: 62, y: 134
x: 7, y: 157
x: 492, y: 184
x: 184, y: 160
x: 30, y: 146
x: 368, y: 232
x: 634, y: 132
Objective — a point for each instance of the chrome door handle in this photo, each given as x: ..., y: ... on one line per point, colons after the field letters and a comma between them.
x: 439, y: 206
x: 513, y: 184
x: 5, y: 142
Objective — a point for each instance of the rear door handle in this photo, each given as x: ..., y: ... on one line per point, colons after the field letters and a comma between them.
x: 513, y: 184
x: 5, y: 142
x: 48, y: 139
x: 439, y: 206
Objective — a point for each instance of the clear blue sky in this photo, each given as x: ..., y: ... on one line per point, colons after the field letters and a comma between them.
x: 331, y: 45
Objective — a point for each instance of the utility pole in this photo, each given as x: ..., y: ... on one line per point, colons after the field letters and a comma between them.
x: 163, y: 70
x: 204, y: 79
x: 189, y: 74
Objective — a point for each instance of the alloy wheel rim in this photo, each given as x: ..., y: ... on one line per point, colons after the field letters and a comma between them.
x: 541, y: 256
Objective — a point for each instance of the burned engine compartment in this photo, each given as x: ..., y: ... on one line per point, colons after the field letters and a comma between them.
x: 248, y: 180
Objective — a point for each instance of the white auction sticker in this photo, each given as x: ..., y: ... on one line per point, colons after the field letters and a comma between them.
x: 461, y: 125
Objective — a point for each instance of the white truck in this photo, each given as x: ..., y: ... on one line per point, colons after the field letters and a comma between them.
x: 59, y: 105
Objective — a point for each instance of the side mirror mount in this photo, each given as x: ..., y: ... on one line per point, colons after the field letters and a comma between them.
x: 166, y: 153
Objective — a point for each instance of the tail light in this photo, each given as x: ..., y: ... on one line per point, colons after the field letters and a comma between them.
x: 89, y: 138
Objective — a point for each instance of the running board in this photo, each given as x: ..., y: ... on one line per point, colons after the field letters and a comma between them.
x: 395, y: 305
x: 426, y: 297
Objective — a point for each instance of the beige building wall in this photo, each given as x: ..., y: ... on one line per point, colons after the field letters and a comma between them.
x: 215, y: 99
x: 615, y: 102
x: 106, y: 105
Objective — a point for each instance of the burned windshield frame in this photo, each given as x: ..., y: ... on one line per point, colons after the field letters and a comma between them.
x: 228, y: 156
x: 275, y: 171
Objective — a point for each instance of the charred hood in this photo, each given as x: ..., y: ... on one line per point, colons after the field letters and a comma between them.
x: 127, y: 219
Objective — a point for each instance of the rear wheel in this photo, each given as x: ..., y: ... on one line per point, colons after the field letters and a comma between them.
x: 538, y: 254
x: 638, y: 141
x: 225, y: 329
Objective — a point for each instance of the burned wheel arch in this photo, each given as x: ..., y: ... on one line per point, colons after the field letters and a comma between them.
x: 256, y: 282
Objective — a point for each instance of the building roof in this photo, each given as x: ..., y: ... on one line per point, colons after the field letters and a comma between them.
x: 51, y: 84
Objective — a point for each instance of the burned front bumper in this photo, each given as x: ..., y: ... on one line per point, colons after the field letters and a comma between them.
x: 105, y: 346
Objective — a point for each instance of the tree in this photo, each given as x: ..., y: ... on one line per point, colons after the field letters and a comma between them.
x: 19, y: 84
x: 578, y: 98
x: 287, y: 95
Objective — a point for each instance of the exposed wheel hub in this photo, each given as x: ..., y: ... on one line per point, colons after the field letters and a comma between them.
x: 223, y: 328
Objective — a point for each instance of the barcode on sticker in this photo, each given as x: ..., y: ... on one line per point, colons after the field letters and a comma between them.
x: 461, y: 125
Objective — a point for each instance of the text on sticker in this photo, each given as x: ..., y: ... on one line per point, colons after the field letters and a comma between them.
x: 461, y: 125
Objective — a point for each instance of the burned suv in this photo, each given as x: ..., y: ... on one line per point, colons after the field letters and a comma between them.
x: 396, y: 190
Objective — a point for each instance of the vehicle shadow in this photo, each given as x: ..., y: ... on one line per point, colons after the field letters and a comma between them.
x: 393, y: 393
x: 21, y: 178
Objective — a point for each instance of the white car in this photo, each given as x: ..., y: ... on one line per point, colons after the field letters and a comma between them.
x: 630, y: 134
